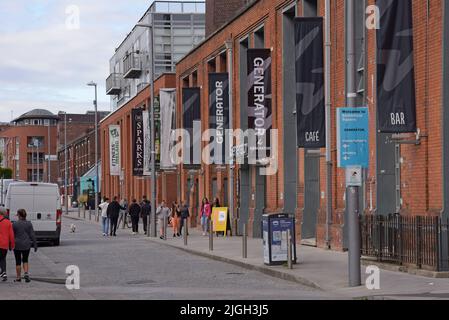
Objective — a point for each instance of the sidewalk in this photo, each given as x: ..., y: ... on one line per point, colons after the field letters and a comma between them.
x: 318, y: 268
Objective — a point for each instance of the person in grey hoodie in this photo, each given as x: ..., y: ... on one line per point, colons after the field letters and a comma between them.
x: 24, y: 238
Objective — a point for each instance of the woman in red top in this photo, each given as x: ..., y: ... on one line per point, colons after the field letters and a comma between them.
x: 6, y: 241
x: 206, y: 211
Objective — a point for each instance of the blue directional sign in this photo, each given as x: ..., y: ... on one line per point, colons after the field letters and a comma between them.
x: 352, y: 137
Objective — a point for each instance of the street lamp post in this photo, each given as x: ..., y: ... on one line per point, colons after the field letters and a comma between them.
x: 152, y: 224
x: 97, y: 182
x: 66, y: 200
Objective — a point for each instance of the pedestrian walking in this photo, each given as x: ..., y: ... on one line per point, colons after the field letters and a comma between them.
x: 113, y: 213
x: 175, y: 219
x: 185, y: 214
x: 24, y: 237
x: 123, y: 213
x: 104, y: 216
x: 205, y: 213
x: 162, y: 213
x: 6, y: 241
x: 134, y: 212
x: 146, y: 211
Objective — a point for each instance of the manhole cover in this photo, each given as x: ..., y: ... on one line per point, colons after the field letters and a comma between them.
x: 138, y: 282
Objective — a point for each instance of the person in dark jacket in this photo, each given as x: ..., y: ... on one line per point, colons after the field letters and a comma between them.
x: 185, y: 214
x: 113, y: 213
x: 134, y: 212
x: 24, y: 238
x: 146, y: 211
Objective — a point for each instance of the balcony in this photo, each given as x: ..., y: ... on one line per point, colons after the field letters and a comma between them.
x: 132, y: 66
x: 113, y: 84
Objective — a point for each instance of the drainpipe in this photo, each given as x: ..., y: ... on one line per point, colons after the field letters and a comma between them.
x: 328, y: 107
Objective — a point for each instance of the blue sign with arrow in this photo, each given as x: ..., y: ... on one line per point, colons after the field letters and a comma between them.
x: 352, y: 137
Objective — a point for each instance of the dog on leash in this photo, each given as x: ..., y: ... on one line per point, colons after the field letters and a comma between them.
x: 72, y: 228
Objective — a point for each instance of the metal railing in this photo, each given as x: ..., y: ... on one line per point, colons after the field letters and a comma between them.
x: 132, y: 66
x: 403, y: 240
x: 113, y: 83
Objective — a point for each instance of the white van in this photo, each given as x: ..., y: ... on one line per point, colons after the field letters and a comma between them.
x: 42, y: 204
x: 4, y: 183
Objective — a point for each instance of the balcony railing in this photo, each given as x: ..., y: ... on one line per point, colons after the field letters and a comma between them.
x: 113, y: 84
x: 133, y: 66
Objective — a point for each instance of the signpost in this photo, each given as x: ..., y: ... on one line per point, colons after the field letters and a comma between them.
x: 352, y: 137
x: 219, y: 219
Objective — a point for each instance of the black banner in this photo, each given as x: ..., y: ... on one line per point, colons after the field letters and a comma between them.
x: 191, y: 115
x: 396, y: 105
x: 138, y: 142
x: 219, y: 114
x: 310, y: 104
x: 260, y: 117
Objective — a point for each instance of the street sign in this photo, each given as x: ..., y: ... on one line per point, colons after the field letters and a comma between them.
x: 352, y: 137
x: 354, y: 176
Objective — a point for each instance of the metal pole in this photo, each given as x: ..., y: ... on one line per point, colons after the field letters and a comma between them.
x: 352, y: 193
x: 289, y: 249
x: 49, y: 151
x: 211, y: 236
x: 328, y: 104
x: 153, y: 151
x: 245, y: 242
x: 97, y: 177
x: 165, y: 227
x: 185, y: 231
x: 66, y: 200
x: 90, y: 213
x: 354, y: 237
x: 79, y: 210
x: 229, y: 45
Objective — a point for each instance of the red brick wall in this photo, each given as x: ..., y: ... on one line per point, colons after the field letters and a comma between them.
x: 133, y: 187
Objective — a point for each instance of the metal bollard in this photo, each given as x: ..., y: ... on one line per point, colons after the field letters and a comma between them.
x: 211, y: 236
x: 165, y: 227
x: 289, y: 250
x: 185, y: 232
x: 84, y: 212
x: 90, y: 214
x: 245, y: 242
x: 79, y: 211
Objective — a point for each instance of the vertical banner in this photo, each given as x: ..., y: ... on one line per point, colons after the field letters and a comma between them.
x: 168, y: 107
x: 157, y: 130
x: 219, y: 113
x: 191, y: 114
x: 138, y: 141
x: 259, y: 99
x: 396, y: 104
x: 310, y: 104
x: 146, y: 143
x: 114, y: 150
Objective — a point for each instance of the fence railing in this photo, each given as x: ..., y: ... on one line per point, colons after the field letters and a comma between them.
x: 403, y: 240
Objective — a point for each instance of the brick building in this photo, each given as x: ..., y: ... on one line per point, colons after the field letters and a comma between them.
x: 220, y: 12
x: 80, y: 132
x: 405, y: 172
x: 28, y: 142
x: 134, y: 186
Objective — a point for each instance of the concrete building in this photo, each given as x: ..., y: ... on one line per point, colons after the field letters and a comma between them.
x: 178, y: 26
x: 30, y: 146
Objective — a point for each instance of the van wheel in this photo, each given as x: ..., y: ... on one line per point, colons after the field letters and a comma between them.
x: 56, y: 242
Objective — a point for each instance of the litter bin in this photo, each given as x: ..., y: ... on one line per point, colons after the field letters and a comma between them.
x: 274, y: 230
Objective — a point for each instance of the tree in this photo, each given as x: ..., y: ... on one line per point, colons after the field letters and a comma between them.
x: 6, y: 173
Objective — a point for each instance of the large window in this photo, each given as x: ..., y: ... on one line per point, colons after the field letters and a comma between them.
x: 34, y: 157
x: 34, y: 142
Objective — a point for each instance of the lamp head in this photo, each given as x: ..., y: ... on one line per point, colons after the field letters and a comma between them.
x: 92, y: 84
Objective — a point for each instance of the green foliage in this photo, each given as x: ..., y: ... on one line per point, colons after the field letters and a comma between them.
x: 6, y: 173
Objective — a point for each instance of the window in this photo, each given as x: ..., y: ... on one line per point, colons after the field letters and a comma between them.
x: 35, y: 142
x: 34, y: 157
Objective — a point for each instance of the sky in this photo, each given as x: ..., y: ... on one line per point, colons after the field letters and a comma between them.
x: 50, y: 50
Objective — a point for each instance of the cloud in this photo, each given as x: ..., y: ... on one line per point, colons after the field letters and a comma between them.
x: 44, y: 64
